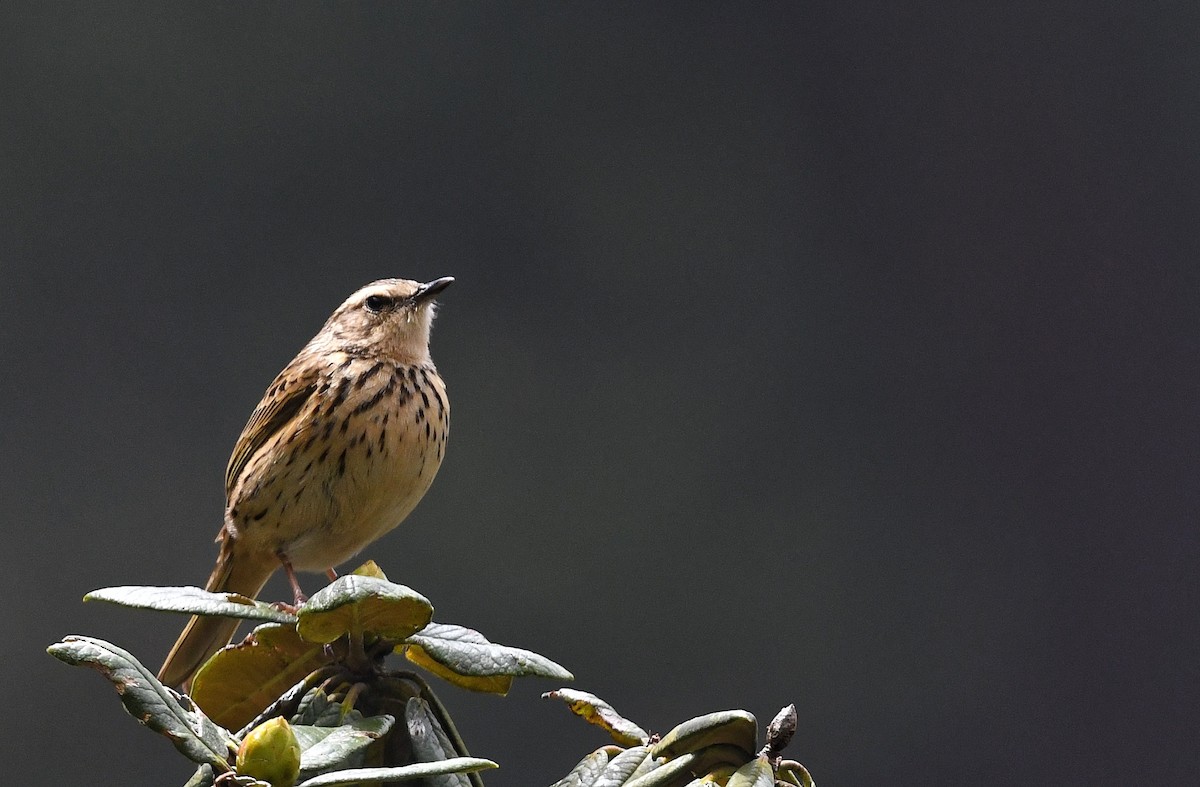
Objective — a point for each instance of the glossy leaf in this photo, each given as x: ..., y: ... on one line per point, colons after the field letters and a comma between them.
x: 238, y: 682
x: 358, y: 604
x: 422, y: 770
x: 756, y: 773
x: 316, y: 709
x: 487, y: 684
x: 430, y: 742
x: 597, y: 711
x: 622, y: 767
x: 326, y: 749
x: 586, y: 771
x: 151, y: 703
x: 673, y: 773
x: 732, y: 727
x: 464, y: 652
x: 190, y: 600
x: 680, y: 770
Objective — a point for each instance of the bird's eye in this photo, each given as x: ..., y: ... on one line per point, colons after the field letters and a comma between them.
x: 377, y: 303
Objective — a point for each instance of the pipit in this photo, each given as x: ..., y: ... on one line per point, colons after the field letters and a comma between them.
x: 343, y: 445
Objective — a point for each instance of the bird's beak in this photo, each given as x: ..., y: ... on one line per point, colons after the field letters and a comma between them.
x: 431, y: 288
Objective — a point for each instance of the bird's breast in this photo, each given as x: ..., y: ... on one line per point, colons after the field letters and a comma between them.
x: 364, y: 454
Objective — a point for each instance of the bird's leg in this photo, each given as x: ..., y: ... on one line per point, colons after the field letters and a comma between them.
x: 298, y: 596
x: 329, y: 572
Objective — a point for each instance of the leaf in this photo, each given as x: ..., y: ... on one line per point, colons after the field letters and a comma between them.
x: 396, y: 691
x: 358, y: 604
x: 190, y: 600
x: 408, y: 772
x: 203, y: 777
x: 647, y: 765
x: 585, y: 771
x: 464, y: 654
x: 370, y: 569
x: 486, y: 684
x: 795, y: 773
x: 680, y: 770
x: 596, y: 711
x: 151, y: 703
x: 326, y: 749
x: 316, y: 709
x: 756, y: 773
x: 239, y: 681
x: 675, y: 772
x: 430, y: 742
x: 733, y: 727
x: 622, y: 767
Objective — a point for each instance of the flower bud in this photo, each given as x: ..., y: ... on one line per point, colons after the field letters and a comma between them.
x: 270, y: 753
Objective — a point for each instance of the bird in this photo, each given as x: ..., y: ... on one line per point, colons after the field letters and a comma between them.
x: 343, y: 445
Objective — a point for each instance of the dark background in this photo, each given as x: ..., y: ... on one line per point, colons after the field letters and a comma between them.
x: 837, y: 353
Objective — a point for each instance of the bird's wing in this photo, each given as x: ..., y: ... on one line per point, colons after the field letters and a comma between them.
x: 283, y: 400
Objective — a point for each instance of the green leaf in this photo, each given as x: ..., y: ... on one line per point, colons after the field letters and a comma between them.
x: 326, y: 749
x: 465, y: 653
x: 487, y: 684
x: 756, y: 773
x: 673, y: 773
x: 597, y: 711
x: 430, y: 742
x: 370, y: 569
x: 357, y: 604
x: 316, y: 709
x: 422, y: 770
x: 191, y: 600
x: 680, y: 770
x: 239, y: 681
x: 622, y: 767
x: 585, y: 771
x: 203, y: 777
x: 229, y: 780
x: 150, y: 702
x: 733, y: 727
x: 795, y: 773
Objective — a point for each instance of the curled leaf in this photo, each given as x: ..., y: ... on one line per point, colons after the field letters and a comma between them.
x: 622, y: 767
x: 239, y: 681
x: 756, y: 773
x: 150, y: 702
x: 406, y: 773
x: 462, y: 654
x: 596, y: 711
x: 733, y: 727
x: 794, y: 773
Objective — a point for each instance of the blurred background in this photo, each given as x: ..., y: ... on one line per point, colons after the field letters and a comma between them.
x: 837, y: 353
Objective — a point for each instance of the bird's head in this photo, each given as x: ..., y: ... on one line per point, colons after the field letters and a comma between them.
x: 390, y: 318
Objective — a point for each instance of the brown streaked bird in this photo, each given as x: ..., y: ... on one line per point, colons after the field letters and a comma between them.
x: 342, y: 447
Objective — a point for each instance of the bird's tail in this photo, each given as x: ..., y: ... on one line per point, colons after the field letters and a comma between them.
x: 204, y: 635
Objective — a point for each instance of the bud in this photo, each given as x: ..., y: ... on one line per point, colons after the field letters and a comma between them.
x: 270, y: 753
